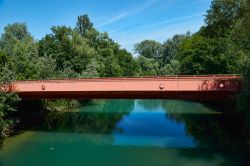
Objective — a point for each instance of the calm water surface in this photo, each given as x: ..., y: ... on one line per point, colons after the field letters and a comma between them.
x: 132, y: 133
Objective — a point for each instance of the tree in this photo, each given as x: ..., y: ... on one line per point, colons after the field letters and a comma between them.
x: 240, y: 34
x: 68, y: 48
x: 171, y: 48
x: 82, y: 53
x: 12, y: 34
x: 3, y: 59
x: 91, y: 70
x: 240, y: 37
x: 24, y: 59
x: 83, y: 24
x: 19, y: 52
x: 220, y: 18
x: 7, y: 103
x: 149, y: 49
x: 200, y: 55
x: 148, y: 66
x: 112, y: 68
x: 172, y: 68
x: 46, y: 68
x: 127, y: 63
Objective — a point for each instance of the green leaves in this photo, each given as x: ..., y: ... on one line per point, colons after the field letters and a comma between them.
x: 148, y: 66
x: 83, y: 24
x: 75, y: 52
x: 171, y: 47
x: 221, y: 17
x: 201, y: 55
x: 156, y: 59
x: 149, y: 49
x: 7, y: 105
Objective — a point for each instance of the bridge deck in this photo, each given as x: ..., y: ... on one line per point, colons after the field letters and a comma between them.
x: 201, y: 88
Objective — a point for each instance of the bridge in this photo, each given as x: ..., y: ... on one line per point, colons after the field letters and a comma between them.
x: 199, y: 88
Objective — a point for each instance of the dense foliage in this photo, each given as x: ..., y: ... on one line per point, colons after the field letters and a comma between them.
x: 221, y: 46
x: 7, y: 104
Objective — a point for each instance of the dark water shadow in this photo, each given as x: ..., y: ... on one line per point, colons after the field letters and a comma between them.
x: 100, y: 116
x: 228, y: 158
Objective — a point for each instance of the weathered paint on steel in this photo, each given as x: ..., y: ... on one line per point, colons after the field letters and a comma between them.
x: 181, y: 87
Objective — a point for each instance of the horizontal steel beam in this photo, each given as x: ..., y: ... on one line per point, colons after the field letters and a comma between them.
x: 178, y: 87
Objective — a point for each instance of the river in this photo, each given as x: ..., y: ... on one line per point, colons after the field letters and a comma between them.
x: 132, y: 133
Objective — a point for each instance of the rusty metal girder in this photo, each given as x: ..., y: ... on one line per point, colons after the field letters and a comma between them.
x: 201, y: 88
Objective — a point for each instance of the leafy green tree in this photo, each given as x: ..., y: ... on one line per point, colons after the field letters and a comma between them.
x: 148, y: 66
x: 12, y: 34
x: 91, y: 70
x: 82, y: 53
x: 68, y: 48
x: 77, y: 50
x: 127, y: 63
x: 220, y: 18
x: 24, y: 59
x: 19, y: 52
x: 200, y: 55
x: 67, y: 73
x: 172, y: 68
x: 240, y: 34
x: 61, y: 47
x: 112, y: 68
x: 103, y: 41
x: 92, y: 37
x: 7, y: 103
x: 149, y: 49
x: 83, y: 24
x: 46, y: 68
x: 3, y: 59
x: 171, y: 48
x: 240, y: 40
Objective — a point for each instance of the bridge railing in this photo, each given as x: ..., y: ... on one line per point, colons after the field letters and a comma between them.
x: 213, y: 76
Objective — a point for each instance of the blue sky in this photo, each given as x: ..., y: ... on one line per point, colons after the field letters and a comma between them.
x: 127, y: 21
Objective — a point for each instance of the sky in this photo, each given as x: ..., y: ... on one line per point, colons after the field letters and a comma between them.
x: 126, y: 21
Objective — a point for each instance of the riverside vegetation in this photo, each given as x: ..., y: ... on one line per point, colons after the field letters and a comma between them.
x: 221, y: 46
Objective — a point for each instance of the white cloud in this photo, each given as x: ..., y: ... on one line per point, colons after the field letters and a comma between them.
x: 128, y: 13
x: 115, y: 18
x: 160, y: 34
x: 143, y: 7
x: 162, y: 23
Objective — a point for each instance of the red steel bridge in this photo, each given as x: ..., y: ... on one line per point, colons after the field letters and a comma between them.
x: 199, y: 88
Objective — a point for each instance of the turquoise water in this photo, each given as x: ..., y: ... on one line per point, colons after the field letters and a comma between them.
x: 131, y: 133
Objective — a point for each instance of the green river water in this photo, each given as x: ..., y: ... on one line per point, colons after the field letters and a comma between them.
x: 132, y: 133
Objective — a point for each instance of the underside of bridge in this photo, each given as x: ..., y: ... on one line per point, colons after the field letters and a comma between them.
x: 199, y: 88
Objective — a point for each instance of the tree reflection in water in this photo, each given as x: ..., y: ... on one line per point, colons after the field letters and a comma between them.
x: 210, y: 128
x: 152, y: 132
x: 100, y: 116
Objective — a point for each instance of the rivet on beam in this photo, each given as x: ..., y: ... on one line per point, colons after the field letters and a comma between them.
x: 161, y: 86
x: 221, y: 85
x: 43, y: 87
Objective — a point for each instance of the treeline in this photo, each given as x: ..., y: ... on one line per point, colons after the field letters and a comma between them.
x: 67, y: 52
x: 221, y: 46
